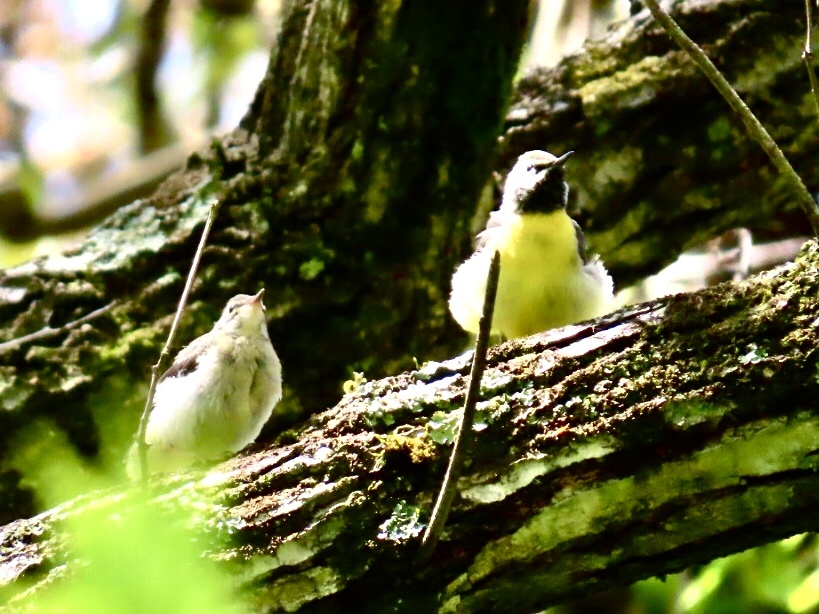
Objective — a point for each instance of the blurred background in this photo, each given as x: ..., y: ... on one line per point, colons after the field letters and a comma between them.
x: 101, y: 99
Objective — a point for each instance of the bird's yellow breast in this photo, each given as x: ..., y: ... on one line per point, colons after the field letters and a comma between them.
x: 537, y: 239
x: 542, y: 283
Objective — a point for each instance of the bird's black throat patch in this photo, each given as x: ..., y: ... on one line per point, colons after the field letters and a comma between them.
x: 547, y: 196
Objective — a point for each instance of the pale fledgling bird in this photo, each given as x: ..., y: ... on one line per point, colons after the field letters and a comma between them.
x: 218, y: 392
x: 547, y: 278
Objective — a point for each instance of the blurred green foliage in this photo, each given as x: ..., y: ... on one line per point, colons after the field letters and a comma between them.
x: 138, y: 558
x: 779, y: 578
x: 130, y: 553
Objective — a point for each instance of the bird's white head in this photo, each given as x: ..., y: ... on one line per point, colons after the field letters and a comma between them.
x: 243, y: 314
x: 535, y: 184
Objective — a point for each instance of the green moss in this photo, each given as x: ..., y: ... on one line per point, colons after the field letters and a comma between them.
x: 680, y: 414
x: 721, y: 138
x: 311, y: 269
x: 636, y: 84
x: 632, y: 223
x: 495, y: 380
x: 14, y: 391
x: 357, y: 152
x: 403, y: 524
x: 354, y: 383
x: 443, y: 426
x: 145, y: 337
x: 418, y: 450
x: 135, y: 229
x: 758, y: 449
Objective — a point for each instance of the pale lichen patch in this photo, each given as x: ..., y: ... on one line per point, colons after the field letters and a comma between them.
x: 758, y: 449
x: 523, y: 473
x: 292, y: 592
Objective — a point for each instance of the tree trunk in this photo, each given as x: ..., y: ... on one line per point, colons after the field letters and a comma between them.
x: 656, y: 438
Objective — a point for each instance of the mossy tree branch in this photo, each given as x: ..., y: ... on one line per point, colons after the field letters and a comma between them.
x: 353, y: 215
x: 657, y: 438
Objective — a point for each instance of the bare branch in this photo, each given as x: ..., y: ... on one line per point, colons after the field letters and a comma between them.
x: 807, y: 54
x: 460, y: 449
x: 48, y: 331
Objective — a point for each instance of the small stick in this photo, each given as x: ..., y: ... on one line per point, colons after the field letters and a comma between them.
x: 47, y: 331
x: 459, y: 451
x: 160, y: 365
x: 807, y: 55
x: 755, y: 129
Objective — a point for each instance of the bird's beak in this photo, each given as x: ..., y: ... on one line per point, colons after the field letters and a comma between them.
x: 562, y: 159
x: 257, y: 298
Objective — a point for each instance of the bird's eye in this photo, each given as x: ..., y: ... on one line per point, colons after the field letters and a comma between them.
x: 231, y: 307
x: 530, y: 168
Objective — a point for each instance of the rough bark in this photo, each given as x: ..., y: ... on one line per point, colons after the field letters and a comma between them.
x: 348, y: 191
x: 660, y: 437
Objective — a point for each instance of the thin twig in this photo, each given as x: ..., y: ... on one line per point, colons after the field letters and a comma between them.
x: 46, y: 332
x: 755, y: 129
x: 460, y: 450
x: 160, y: 365
x: 807, y: 55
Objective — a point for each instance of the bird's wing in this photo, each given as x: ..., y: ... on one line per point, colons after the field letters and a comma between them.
x: 187, y: 358
x: 582, y: 246
x: 496, y: 219
x: 592, y: 264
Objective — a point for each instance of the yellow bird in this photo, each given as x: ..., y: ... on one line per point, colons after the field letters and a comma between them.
x: 547, y: 277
